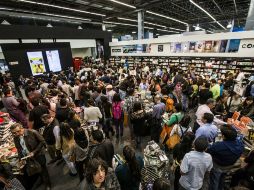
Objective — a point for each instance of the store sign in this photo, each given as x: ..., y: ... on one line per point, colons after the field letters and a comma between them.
x: 130, y: 49
x: 248, y: 46
x: 116, y: 50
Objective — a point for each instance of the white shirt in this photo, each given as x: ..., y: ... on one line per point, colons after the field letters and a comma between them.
x: 92, y: 114
x: 200, y: 114
x: 22, y: 142
x: 67, y: 89
x: 177, y: 128
x: 76, y: 92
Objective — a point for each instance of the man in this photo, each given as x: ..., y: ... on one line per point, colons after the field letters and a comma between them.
x: 225, y: 154
x: 76, y: 92
x: 202, y: 109
x: 51, y: 134
x: 35, y: 114
x: 207, y: 129
x: 110, y: 92
x: 229, y: 83
x: 195, y: 165
x: 30, y: 143
x: 100, y: 147
x: 220, y: 82
x: 158, y: 110
x: 215, y: 89
x: 205, y: 94
x: 67, y: 88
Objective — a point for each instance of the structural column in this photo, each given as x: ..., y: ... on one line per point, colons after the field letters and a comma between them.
x: 250, y: 19
x: 141, y: 17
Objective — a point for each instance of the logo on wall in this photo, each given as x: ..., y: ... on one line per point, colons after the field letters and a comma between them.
x: 248, y: 46
x: 160, y: 48
x: 116, y: 50
x: 130, y: 49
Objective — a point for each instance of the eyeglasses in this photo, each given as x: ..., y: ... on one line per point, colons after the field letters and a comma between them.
x: 15, y: 131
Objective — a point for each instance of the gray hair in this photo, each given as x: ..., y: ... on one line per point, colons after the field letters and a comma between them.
x: 210, y: 101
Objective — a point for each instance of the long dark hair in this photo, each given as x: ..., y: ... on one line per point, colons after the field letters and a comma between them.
x: 66, y: 131
x: 186, y: 144
x: 130, y: 157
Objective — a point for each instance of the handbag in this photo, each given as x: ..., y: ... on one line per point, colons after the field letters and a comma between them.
x: 32, y: 167
x: 165, y: 133
x: 173, y: 140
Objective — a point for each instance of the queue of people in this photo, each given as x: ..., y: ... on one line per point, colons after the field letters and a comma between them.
x: 108, y: 98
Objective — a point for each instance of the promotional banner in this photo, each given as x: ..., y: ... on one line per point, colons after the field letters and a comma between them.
x: 36, y: 62
x: 54, y: 60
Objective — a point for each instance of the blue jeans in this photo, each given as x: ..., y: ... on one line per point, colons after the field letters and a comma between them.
x: 216, y: 179
x: 119, y: 126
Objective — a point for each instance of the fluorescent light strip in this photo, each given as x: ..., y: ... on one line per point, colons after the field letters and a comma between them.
x: 125, y: 4
x: 60, y: 7
x: 63, y: 16
x: 167, y: 31
x: 207, y: 13
x: 132, y: 20
x: 167, y: 17
x: 125, y: 24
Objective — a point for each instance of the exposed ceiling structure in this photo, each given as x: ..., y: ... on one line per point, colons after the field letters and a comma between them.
x: 120, y: 16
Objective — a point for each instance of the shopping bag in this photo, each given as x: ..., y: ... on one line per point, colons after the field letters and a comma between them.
x: 172, y: 141
x: 126, y: 119
x: 32, y: 167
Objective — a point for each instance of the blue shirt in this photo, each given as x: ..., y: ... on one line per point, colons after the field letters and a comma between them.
x: 158, y: 110
x: 208, y: 130
x: 226, y: 153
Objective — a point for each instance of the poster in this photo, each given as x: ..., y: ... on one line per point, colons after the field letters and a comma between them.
x: 160, y: 48
x: 200, y: 46
x: 178, y: 47
x: 223, y: 45
x: 192, y: 47
x: 36, y: 62
x: 185, y: 47
x: 216, y: 46
x: 208, y: 46
x: 172, y: 47
x: 54, y: 60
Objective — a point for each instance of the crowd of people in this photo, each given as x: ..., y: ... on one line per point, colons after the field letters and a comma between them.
x: 73, y: 116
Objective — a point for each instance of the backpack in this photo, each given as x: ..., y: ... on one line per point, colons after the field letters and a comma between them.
x: 117, y: 110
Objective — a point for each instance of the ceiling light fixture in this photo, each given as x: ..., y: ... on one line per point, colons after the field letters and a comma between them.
x: 60, y: 7
x: 80, y: 27
x: 197, y: 27
x: 167, y: 17
x: 229, y: 24
x: 207, y: 13
x: 134, y: 32
x: 109, y: 30
x: 125, y: 4
x: 127, y: 19
x: 49, y: 25
x: 167, y: 31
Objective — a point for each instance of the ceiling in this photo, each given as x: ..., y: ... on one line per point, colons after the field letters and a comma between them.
x: 120, y: 16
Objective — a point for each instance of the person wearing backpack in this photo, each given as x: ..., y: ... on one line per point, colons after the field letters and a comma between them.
x: 80, y: 150
x: 117, y: 111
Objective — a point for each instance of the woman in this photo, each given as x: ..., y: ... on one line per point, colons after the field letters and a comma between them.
x: 12, y: 106
x: 62, y: 110
x: 73, y: 120
x: 106, y: 108
x: 177, y: 116
x: 183, y: 127
x: 233, y: 104
x: 129, y: 173
x: 178, y: 153
x: 247, y: 109
x: 117, y: 111
x: 138, y: 122
x: 92, y: 113
x: 99, y: 177
x: 80, y: 150
x: 67, y: 146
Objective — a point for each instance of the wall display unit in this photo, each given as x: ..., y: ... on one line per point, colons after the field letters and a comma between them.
x: 203, y: 66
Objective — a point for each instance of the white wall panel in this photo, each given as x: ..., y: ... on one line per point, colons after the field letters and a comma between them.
x: 79, y: 43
